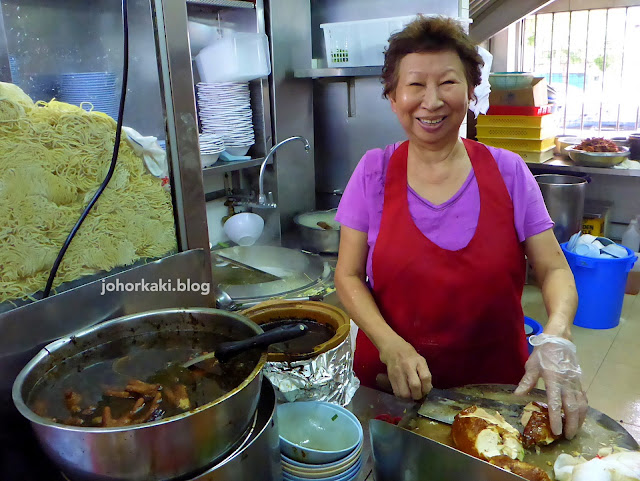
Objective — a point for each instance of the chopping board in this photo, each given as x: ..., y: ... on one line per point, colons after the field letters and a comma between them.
x: 598, y: 430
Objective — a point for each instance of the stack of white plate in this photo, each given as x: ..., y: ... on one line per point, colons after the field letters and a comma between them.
x: 211, y: 146
x: 96, y: 88
x: 224, y: 109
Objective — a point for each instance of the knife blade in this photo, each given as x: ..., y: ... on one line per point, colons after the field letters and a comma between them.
x: 442, y: 405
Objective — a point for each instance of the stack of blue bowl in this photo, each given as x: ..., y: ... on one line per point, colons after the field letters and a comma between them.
x: 97, y: 88
x: 320, y: 441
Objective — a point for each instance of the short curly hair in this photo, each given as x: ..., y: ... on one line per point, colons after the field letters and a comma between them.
x: 430, y: 34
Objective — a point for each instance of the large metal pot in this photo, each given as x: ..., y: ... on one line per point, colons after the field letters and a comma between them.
x: 564, y: 197
x: 165, y: 449
x: 314, y: 238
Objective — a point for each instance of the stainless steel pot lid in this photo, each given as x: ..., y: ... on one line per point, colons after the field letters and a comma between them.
x: 296, y: 271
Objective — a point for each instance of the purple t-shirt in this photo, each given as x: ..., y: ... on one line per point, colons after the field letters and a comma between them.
x: 361, y: 204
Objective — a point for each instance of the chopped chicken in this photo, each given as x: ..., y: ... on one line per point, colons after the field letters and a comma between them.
x: 485, y: 434
x: 515, y: 466
x: 537, y: 426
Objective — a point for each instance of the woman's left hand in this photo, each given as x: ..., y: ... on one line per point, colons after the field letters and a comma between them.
x: 554, y: 359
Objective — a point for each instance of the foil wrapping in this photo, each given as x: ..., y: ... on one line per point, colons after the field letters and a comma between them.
x: 327, y: 376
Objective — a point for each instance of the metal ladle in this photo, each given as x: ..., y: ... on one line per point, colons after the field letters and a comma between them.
x: 224, y: 301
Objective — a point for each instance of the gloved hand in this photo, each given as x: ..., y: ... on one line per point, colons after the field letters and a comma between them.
x: 554, y: 359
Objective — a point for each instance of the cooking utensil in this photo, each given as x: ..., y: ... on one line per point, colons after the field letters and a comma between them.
x: 401, y: 455
x: 227, y: 350
x: 262, y: 276
x: 315, y: 237
x: 564, y: 197
x: 597, y: 159
x: 224, y: 301
x: 165, y: 449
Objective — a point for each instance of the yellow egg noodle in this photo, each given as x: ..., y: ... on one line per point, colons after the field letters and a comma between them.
x: 53, y: 158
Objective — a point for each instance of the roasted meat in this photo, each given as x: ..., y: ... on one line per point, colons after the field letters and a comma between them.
x: 537, y: 427
x: 515, y: 466
x: 485, y: 434
x: 597, y: 144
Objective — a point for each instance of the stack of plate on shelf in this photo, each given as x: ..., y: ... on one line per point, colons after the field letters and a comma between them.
x: 224, y: 109
x: 211, y: 146
x: 96, y: 88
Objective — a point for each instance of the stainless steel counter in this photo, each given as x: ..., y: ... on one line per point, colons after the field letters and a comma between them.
x: 366, y: 404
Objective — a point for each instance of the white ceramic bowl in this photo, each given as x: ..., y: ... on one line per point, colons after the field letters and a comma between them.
x: 317, y: 432
x: 244, y: 229
x: 322, y: 470
x: 238, y: 150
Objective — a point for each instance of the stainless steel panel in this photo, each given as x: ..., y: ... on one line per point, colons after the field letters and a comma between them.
x: 343, y: 140
x: 288, y: 24
x: 400, y: 455
x: 176, y: 84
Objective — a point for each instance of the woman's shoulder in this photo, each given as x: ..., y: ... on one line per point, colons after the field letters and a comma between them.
x: 374, y: 162
x: 509, y: 163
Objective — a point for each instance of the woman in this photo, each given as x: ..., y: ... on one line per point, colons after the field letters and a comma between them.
x: 433, y: 242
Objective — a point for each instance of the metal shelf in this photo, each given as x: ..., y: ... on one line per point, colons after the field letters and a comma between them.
x: 338, y: 72
x: 222, y: 3
x: 222, y: 166
x: 560, y: 165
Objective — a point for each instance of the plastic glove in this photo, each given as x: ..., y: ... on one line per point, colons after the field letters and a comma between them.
x: 554, y: 359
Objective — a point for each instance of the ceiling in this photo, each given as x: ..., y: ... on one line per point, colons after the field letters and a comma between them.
x: 492, y: 16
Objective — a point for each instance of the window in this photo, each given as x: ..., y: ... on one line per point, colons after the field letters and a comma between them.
x: 590, y: 58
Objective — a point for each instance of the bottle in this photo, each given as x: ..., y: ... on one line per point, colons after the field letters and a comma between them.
x: 631, y: 237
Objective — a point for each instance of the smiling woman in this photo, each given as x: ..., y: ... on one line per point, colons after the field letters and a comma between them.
x: 433, y: 241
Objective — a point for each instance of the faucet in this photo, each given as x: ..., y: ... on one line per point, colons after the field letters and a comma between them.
x: 262, y: 198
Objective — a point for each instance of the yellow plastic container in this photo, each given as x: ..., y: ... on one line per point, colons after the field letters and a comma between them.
x: 535, y: 157
x: 529, y: 133
x: 531, y: 121
x: 519, y: 145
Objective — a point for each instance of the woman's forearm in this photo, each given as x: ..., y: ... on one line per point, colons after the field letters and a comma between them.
x: 357, y: 299
x: 561, y: 301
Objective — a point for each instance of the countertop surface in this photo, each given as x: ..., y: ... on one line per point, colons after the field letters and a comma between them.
x: 366, y: 404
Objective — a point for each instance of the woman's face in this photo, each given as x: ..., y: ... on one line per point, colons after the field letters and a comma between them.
x: 432, y: 96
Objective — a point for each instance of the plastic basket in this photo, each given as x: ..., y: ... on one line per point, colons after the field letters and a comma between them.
x: 535, y: 157
x: 362, y: 43
x: 601, y: 284
x: 539, y: 122
x: 517, y: 110
x: 519, y: 145
x: 530, y: 133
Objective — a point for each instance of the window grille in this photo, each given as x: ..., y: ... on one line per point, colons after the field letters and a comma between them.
x: 590, y: 58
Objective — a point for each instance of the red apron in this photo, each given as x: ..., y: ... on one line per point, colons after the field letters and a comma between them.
x: 461, y: 310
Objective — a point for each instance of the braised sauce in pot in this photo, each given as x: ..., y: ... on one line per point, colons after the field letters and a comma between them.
x: 317, y: 334
x: 137, y: 380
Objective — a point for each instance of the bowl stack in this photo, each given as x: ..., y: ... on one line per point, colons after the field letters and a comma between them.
x: 91, y: 90
x: 320, y: 441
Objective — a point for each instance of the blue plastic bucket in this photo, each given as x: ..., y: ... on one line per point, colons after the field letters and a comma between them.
x: 531, y: 328
x: 601, y: 284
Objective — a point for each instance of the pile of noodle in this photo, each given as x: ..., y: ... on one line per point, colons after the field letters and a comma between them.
x: 53, y: 158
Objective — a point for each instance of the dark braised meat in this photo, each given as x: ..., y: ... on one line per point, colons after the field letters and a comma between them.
x: 515, y: 466
x: 537, y: 427
x: 597, y: 144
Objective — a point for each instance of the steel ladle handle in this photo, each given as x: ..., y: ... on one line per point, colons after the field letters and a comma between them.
x: 227, y: 350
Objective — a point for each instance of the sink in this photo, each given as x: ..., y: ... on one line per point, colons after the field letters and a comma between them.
x: 297, y: 272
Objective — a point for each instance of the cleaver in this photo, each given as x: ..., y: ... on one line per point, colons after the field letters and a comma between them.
x: 442, y: 405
